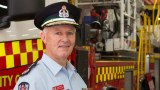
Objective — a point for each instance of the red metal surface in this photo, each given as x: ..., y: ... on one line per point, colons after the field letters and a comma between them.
x: 40, y: 54
x: 2, y: 62
x: 17, y: 60
x: 30, y: 57
x: 34, y: 44
x: 9, y: 77
x: 92, y: 66
x: 8, y: 48
x: 72, y: 57
x: 22, y: 45
x: 151, y: 66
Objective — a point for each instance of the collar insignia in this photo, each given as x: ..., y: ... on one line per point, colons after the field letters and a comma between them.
x: 29, y: 68
x: 63, y: 12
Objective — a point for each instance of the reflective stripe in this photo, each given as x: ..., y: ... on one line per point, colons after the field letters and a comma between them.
x: 15, y: 47
x: 9, y: 61
x: 19, y: 53
x: 39, y: 44
x: 111, y: 73
x: 24, y: 60
x: 35, y: 55
x: 2, y: 49
x: 28, y: 45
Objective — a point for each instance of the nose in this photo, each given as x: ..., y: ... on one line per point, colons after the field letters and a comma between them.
x: 65, y: 38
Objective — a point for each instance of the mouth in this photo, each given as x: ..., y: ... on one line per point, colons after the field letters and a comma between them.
x: 64, y: 46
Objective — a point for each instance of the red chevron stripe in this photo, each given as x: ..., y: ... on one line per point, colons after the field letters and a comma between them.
x: 22, y: 45
x: 17, y: 60
x: 8, y: 48
x: 3, y: 62
x: 34, y: 44
x: 30, y: 57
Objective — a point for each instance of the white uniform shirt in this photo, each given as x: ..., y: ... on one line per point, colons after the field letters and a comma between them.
x: 49, y: 75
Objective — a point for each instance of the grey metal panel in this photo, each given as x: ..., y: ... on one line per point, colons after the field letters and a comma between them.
x: 128, y: 80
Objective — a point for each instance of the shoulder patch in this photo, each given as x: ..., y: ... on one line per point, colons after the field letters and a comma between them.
x: 29, y: 68
x: 23, y: 86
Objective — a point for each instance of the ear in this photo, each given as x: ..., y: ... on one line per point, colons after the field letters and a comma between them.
x: 43, y: 37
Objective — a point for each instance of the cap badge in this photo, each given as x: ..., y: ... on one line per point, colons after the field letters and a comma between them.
x: 63, y: 12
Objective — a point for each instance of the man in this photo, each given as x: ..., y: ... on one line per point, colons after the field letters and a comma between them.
x: 58, y: 23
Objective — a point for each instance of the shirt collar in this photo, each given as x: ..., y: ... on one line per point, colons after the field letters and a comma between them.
x: 71, y: 69
x: 53, y: 66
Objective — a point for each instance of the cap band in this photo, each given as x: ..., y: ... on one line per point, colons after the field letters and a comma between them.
x: 59, y: 20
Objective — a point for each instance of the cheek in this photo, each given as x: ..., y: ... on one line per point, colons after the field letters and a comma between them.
x: 50, y: 41
x: 73, y: 41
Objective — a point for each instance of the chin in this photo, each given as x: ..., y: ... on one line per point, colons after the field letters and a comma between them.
x: 64, y: 55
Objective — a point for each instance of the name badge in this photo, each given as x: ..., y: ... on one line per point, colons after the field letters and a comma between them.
x: 59, y: 87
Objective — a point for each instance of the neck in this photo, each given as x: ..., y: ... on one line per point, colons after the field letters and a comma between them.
x: 60, y: 61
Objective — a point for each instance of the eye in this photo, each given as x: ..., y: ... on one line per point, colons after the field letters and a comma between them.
x: 70, y: 33
x: 58, y: 33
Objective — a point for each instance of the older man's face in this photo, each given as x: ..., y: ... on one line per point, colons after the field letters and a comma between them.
x: 59, y: 41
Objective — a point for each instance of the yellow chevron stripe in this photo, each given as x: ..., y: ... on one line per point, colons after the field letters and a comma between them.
x: 112, y: 76
x: 110, y: 69
x: 106, y: 70
x: 15, y: 47
x: 35, y: 55
x: 96, y: 78
x: 105, y: 79
x: 39, y: 44
x: 121, y: 76
x: 28, y: 45
x: 115, y: 76
x: 130, y: 67
x: 101, y: 78
x: 9, y: 61
x: 118, y: 77
x: 2, y: 49
x: 99, y: 70
x: 102, y: 70
x: 113, y: 71
x: 119, y: 69
x: 23, y: 59
x: 108, y: 76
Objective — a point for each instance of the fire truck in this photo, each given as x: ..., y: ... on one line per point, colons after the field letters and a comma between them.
x: 110, y: 53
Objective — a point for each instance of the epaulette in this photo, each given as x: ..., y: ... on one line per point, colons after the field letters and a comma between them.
x: 29, y: 69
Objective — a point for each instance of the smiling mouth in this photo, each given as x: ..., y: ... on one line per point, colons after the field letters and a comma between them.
x: 64, y: 46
